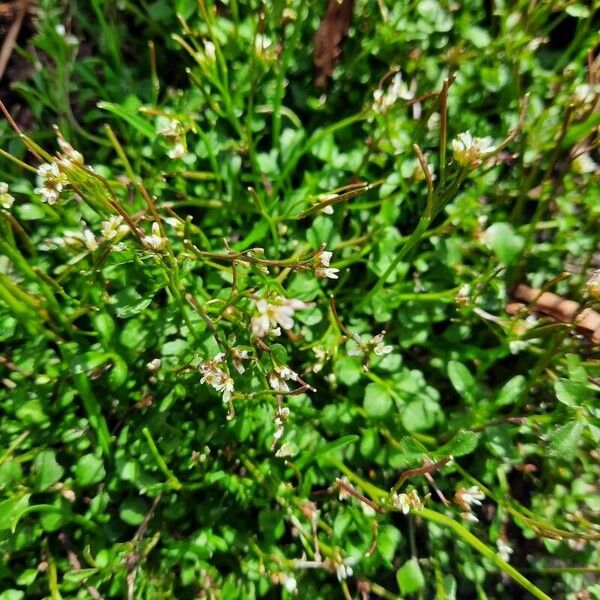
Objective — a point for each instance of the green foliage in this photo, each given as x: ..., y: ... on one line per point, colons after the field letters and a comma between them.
x: 198, y: 398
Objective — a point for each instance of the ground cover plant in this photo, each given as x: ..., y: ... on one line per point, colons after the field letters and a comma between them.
x: 299, y: 299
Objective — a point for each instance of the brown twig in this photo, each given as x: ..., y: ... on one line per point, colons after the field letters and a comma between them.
x: 587, y: 321
x: 13, y: 33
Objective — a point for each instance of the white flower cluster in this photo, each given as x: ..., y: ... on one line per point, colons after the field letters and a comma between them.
x: 406, y: 502
x: 281, y: 417
x: 6, y: 200
x: 279, y: 377
x: 504, y: 550
x: 344, y: 569
x: 322, y: 263
x: 113, y: 227
x: 216, y: 377
x: 51, y: 183
x: 77, y: 240
x: 376, y: 345
x: 273, y: 314
x: 396, y: 90
x: 68, y: 155
x: 155, y: 242
x: 173, y: 132
x: 466, y: 498
x: 469, y: 151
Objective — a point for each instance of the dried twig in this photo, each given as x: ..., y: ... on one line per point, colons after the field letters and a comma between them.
x: 13, y: 33
x: 586, y: 320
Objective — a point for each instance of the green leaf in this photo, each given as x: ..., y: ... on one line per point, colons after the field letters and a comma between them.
x: 564, y: 441
x: 46, y: 470
x: 505, y: 242
x: 130, y: 117
x: 128, y: 302
x: 464, y: 442
x: 378, y: 401
x: 10, y: 509
x: 462, y: 380
x: 89, y: 470
x: 348, y: 370
x: 409, y: 577
x: 133, y: 511
x: 511, y: 391
x: 387, y: 542
x: 571, y: 393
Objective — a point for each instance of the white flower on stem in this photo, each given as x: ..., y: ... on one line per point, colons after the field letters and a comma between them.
x: 275, y: 312
x: 177, y: 151
x: 155, y: 242
x: 6, y: 200
x: 343, y: 570
x: 466, y: 498
x: 237, y: 356
x: 154, y: 364
x: 69, y: 154
x: 469, y: 151
x: 343, y: 484
x: 214, y: 376
x: 279, y: 377
x: 209, y: 50
x: 583, y: 164
x: 113, y: 227
x: 327, y: 209
x: 504, y: 550
x: 89, y: 239
x: 281, y: 417
x: 405, y: 502
x: 169, y: 128
x: 286, y: 449
x: 322, y: 268
x: 396, y: 90
x: 52, y: 182
x: 290, y: 584
x: 378, y: 345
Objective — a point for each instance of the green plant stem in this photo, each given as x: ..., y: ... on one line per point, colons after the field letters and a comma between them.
x: 162, y: 465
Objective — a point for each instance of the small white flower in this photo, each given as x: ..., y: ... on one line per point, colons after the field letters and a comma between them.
x: 177, y: 151
x: 89, y: 239
x: 286, y: 449
x: 469, y: 151
x: 168, y: 128
x: 52, y: 182
x: 113, y: 227
x: 504, y: 550
x: 237, y: 356
x: 405, y: 502
x: 276, y: 312
x: 209, y: 50
x: 396, y: 90
x: 279, y: 377
x: 344, y: 570
x: 327, y: 272
x: 343, y: 493
x: 69, y: 153
x: 468, y: 497
x: 583, y: 164
x: 290, y: 584
x: 379, y: 347
x: 154, y: 364
x: 327, y: 209
x: 6, y: 200
x: 155, y: 242
x: 218, y: 379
